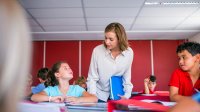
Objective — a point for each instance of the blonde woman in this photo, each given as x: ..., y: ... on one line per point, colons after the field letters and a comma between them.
x: 114, y: 57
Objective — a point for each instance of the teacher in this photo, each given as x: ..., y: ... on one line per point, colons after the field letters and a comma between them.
x: 112, y: 58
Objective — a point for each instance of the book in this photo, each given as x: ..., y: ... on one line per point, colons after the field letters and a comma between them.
x: 132, y: 105
x: 116, y: 87
x: 165, y: 103
x: 88, y: 106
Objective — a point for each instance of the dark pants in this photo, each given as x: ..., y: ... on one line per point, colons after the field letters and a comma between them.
x: 101, y: 101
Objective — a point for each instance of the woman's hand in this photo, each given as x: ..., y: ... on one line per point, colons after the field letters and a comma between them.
x: 122, y: 97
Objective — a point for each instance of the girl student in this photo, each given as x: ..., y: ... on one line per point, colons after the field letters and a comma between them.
x: 59, y: 90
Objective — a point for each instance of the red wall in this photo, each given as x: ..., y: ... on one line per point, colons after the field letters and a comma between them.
x: 63, y: 51
x: 37, y: 60
x: 141, y: 66
x: 165, y: 59
x: 86, y: 49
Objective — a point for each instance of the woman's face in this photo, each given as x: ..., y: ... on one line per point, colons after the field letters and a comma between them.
x: 111, y: 41
x: 65, y: 71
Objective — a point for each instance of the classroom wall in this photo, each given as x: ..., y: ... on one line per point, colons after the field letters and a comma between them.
x: 141, y: 67
x: 37, y: 59
x: 165, y: 59
x: 196, y: 38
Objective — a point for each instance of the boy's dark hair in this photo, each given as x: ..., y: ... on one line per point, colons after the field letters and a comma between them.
x: 42, y: 73
x: 152, y: 78
x: 192, y: 47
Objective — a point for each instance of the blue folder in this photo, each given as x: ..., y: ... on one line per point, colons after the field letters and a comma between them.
x: 116, y: 87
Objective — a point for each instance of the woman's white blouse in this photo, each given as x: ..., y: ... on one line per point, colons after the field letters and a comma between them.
x: 103, y: 66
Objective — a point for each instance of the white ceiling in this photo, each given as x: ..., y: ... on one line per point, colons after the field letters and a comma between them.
x: 86, y: 19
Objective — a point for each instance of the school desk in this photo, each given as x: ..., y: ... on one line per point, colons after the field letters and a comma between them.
x: 29, y: 106
x: 137, y: 102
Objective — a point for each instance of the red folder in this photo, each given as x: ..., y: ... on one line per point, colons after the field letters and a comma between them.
x: 131, y: 104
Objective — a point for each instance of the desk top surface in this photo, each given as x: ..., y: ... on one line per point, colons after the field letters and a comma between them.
x: 136, y: 99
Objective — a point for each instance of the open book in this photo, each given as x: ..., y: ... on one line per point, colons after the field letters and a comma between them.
x: 165, y: 103
x: 116, y: 87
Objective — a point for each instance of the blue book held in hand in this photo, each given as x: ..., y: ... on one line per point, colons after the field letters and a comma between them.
x: 116, y: 87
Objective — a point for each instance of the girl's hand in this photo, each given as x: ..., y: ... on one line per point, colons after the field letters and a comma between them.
x: 71, y: 99
x: 57, y: 99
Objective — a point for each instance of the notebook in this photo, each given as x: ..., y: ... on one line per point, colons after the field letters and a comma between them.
x: 88, y: 106
x: 116, y: 87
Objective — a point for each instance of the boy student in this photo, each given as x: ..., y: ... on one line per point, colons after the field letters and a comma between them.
x: 81, y: 81
x: 42, y: 75
x: 149, y: 85
x: 185, y: 81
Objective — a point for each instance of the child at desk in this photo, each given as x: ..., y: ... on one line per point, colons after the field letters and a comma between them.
x: 42, y: 76
x: 81, y: 81
x: 149, y: 85
x: 59, y: 90
x: 186, y: 80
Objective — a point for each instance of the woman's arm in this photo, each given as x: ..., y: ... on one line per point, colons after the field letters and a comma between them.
x: 146, y: 88
x: 93, y: 76
x: 128, y: 86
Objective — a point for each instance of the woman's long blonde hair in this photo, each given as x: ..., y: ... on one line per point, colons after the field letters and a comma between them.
x: 120, y: 32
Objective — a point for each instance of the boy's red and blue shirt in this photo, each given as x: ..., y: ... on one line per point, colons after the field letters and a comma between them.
x: 183, y: 82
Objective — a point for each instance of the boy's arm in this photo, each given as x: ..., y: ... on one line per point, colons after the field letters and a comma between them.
x: 146, y: 88
x: 173, y: 94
